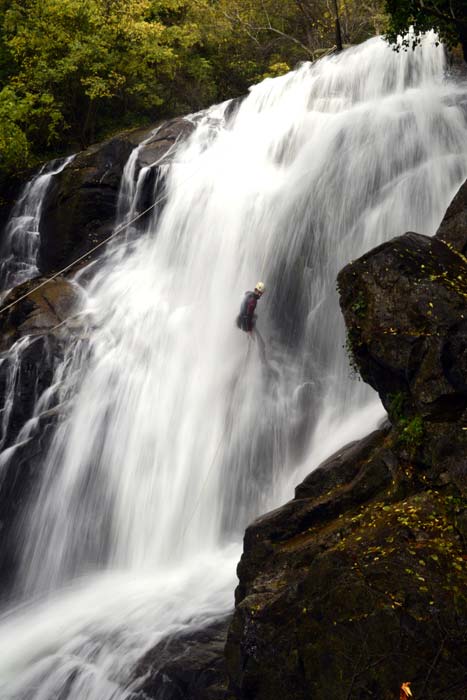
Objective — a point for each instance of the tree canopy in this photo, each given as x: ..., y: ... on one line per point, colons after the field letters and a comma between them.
x: 72, y: 71
x: 447, y: 17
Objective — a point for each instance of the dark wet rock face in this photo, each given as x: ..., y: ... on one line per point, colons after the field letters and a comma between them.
x: 10, y: 192
x: 80, y: 207
x: 359, y: 583
x: 160, y: 146
x: 405, y: 305
x: 81, y: 204
x: 21, y: 472
x: 453, y: 228
x: 187, y: 666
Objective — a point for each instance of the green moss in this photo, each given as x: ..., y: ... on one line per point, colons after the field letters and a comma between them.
x: 353, y: 341
x: 411, y: 433
x: 359, y: 306
x: 397, y: 406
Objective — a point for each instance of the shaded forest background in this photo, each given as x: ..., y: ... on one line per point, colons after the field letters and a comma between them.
x: 75, y: 71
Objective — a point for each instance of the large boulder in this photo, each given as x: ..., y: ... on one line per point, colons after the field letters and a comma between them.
x: 359, y: 583
x: 405, y: 308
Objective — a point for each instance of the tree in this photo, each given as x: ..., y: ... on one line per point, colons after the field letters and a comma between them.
x: 447, y: 17
x: 81, y: 63
x: 73, y: 71
x: 14, y: 145
x: 302, y: 29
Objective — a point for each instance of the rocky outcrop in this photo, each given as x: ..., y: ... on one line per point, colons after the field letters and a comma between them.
x: 81, y: 204
x: 408, y: 335
x: 359, y: 583
x: 42, y: 311
x: 159, y: 146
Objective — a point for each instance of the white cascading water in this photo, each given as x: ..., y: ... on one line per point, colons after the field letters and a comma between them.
x: 21, y: 237
x: 176, y: 433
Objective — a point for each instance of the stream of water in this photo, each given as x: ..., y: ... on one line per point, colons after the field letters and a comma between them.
x: 177, y: 433
x: 20, y: 242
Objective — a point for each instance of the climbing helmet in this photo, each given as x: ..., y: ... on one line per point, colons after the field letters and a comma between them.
x: 260, y: 288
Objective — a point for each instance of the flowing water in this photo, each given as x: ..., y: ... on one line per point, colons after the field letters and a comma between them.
x: 20, y: 242
x: 177, y: 431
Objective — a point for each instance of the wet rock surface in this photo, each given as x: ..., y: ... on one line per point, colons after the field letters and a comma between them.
x: 159, y: 145
x: 187, y: 666
x: 81, y: 205
x: 42, y: 311
x: 359, y: 583
x: 20, y: 463
x: 453, y: 228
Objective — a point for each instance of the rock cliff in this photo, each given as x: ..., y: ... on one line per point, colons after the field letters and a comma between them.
x: 359, y: 583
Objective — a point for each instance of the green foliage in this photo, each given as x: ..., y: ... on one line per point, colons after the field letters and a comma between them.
x: 411, y: 432
x: 77, y: 60
x: 352, y: 344
x: 447, y: 17
x: 397, y: 406
x: 410, y: 429
x: 72, y: 71
x: 359, y: 306
x: 14, y: 145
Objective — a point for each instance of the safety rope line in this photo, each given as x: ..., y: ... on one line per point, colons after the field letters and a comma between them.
x: 118, y: 230
x: 115, y: 233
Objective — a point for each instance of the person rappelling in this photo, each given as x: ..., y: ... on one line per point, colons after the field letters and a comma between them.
x: 246, y: 320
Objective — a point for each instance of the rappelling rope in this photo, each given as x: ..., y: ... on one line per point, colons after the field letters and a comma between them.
x: 118, y: 230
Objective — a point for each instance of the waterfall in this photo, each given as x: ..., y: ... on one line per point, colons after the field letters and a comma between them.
x: 21, y: 237
x: 178, y: 433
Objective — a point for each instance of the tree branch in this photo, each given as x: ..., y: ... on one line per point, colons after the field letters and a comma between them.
x: 270, y: 28
x: 433, y: 10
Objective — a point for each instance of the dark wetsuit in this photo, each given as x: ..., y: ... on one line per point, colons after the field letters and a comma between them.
x: 246, y: 318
